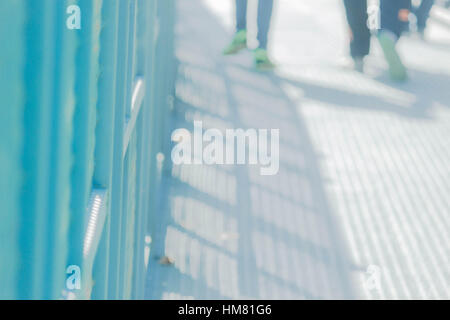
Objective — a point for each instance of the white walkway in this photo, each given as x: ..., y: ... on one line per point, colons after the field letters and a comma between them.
x: 363, y: 191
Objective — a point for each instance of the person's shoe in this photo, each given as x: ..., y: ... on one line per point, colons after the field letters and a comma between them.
x: 238, y: 43
x: 262, y: 61
x: 396, y: 68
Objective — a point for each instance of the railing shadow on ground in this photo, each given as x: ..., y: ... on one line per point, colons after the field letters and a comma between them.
x: 231, y: 232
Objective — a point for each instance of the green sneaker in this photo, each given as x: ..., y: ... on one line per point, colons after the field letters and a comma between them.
x: 238, y: 43
x: 396, y: 68
x: 262, y: 61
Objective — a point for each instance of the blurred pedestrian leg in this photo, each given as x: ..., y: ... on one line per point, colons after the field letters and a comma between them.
x: 239, y: 42
x: 356, y: 11
x: 394, y: 16
x: 265, y: 8
x: 422, y: 13
x: 394, y: 20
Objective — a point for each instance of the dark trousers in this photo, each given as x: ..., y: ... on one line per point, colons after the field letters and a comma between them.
x: 264, y: 16
x: 390, y: 21
x: 422, y: 13
x: 356, y: 11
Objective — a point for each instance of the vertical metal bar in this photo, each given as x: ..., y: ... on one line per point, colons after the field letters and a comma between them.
x: 104, y: 150
x: 120, y: 111
x: 84, y: 126
x: 142, y: 44
x: 131, y: 49
x: 61, y: 154
x: 141, y: 177
x: 12, y: 21
x: 163, y: 72
x: 157, y: 72
x: 39, y: 82
x: 169, y: 89
x: 127, y: 214
x: 129, y: 217
x: 147, y: 11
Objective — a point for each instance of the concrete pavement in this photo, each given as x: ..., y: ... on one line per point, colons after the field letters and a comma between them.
x: 361, y: 205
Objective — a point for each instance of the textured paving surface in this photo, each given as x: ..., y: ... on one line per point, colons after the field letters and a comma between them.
x: 361, y: 205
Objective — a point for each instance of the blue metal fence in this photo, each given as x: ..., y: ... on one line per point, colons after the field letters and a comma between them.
x: 82, y: 114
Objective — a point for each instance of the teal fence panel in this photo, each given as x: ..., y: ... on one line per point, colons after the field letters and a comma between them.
x: 12, y: 27
x: 84, y: 88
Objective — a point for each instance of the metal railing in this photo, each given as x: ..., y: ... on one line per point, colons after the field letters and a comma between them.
x: 82, y: 118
